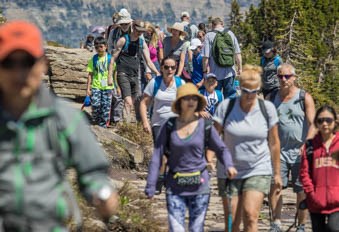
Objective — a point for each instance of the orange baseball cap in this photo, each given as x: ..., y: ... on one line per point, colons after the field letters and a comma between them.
x: 20, y: 35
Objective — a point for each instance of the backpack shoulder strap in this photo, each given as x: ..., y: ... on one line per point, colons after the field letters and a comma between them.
x: 277, y: 61
x: 262, y: 61
x: 208, y: 123
x: 108, y: 60
x: 309, y: 155
x: 272, y: 95
x: 127, y: 38
x: 219, y: 95
x: 302, y: 95
x: 177, y: 81
x: 229, y: 109
x: 264, y: 111
x: 170, y: 125
x: 157, y: 83
x: 95, y: 61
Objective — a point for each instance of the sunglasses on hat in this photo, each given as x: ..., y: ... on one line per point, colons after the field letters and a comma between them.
x: 249, y: 91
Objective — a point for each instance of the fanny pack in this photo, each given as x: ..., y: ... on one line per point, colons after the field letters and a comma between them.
x: 187, y: 179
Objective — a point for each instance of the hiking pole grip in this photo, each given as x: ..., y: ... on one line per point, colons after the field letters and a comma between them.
x: 229, y: 204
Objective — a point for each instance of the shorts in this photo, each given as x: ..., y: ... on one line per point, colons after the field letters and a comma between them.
x: 129, y: 85
x: 238, y: 186
x: 285, y: 169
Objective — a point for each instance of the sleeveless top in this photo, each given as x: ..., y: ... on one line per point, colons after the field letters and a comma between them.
x: 293, y: 127
x: 128, y: 61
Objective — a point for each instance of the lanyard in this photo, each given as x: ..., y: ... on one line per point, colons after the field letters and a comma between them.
x: 102, y: 66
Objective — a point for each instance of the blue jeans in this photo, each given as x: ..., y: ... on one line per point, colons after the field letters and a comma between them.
x: 197, y: 207
x: 101, y: 106
x: 227, y: 87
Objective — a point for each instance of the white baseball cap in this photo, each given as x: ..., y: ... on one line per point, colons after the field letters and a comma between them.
x: 195, y: 43
x: 185, y: 13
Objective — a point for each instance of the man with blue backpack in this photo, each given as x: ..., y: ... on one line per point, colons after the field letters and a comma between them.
x: 129, y: 50
x: 99, y: 83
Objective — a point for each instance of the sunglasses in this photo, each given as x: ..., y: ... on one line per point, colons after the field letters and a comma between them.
x: 327, y: 120
x: 287, y: 76
x: 190, y: 97
x: 99, y: 46
x: 167, y: 67
x: 249, y: 91
x: 24, y: 63
x: 124, y: 24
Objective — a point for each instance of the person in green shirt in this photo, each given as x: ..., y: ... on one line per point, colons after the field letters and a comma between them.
x: 100, y: 84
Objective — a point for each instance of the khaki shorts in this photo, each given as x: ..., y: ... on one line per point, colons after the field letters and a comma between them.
x: 256, y: 183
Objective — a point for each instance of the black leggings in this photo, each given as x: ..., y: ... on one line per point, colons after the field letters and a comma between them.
x: 319, y: 222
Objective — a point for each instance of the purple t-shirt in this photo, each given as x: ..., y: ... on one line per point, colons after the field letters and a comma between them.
x: 187, y: 155
x: 154, y: 51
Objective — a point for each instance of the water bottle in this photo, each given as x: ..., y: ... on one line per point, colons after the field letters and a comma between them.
x: 237, y: 87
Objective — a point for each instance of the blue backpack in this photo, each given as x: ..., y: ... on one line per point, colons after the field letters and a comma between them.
x: 96, y: 59
x: 158, y: 81
x: 128, y: 41
x: 276, y: 61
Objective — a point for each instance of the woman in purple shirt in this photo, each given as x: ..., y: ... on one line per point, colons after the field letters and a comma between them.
x: 187, y: 180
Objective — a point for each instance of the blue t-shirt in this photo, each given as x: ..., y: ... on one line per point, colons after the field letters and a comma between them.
x: 197, y: 73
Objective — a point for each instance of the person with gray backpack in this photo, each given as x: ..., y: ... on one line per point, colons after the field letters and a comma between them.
x: 41, y: 136
x: 221, y: 52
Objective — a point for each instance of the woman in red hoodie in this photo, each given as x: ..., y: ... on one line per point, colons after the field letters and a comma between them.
x: 319, y: 172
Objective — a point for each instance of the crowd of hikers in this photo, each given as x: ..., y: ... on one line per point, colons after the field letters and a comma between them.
x: 190, y: 91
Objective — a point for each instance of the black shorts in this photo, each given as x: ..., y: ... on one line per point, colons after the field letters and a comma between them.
x: 129, y: 85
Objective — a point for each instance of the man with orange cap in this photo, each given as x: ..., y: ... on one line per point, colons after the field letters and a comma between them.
x: 41, y: 136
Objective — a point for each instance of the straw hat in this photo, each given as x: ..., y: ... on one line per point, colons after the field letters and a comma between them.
x: 178, y: 27
x: 188, y: 90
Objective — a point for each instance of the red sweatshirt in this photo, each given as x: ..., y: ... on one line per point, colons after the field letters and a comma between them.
x: 322, y: 187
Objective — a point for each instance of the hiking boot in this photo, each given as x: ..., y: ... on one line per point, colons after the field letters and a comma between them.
x: 300, y: 228
x: 275, y: 227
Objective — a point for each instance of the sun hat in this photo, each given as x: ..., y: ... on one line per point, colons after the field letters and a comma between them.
x: 267, y: 46
x: 179, y: 27
x: 188, y: 90
x: 185, y: 14
x: 139, y: 25
x: 124, y: 17
x: 20, y: 35
x: 195, y: 43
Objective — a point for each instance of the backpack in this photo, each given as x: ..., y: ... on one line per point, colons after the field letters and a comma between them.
x: 223, y: 49
x: 309, y: 155
x: 301, y: 99
x: 261, y: 106
x: 188, y: 31
x: 170, y: 126
x: 96, y: 60
x: 126, y: 45
x: 158, y: 80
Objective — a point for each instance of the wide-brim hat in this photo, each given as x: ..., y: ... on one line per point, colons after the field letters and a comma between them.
x: 124, y: 17
x: 188, y: 90
x: 177, y: 26
x: 139, y: 25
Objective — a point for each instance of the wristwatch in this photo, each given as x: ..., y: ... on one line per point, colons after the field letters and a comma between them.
x: 104, y: 193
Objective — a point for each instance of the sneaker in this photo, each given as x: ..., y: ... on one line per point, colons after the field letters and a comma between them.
x: 300, y: 228
x: 275, y: 227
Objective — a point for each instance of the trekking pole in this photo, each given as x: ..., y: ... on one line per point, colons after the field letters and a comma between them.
x: 229, y: 204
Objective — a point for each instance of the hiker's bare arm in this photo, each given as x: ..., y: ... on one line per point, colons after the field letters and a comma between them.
x: 274, y: 145
x: 218, y: 127
x: 181, y: 63
x: 116, y: 52
x: 145, y: 102
x: 160, y: 55
x: 205, y: 66
x: 148, y: 59
x: 310, y: 114
x: 89, y: 83
x: 238, y: 61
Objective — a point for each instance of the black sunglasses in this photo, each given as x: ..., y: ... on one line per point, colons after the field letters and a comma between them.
x: 99, y: 46
x: 287, y: 76
x: 327, y: 120
x: 167, y: 67
x: 23, y: 63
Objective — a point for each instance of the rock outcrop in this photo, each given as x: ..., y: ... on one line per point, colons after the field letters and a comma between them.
x: 67, y: 75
